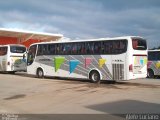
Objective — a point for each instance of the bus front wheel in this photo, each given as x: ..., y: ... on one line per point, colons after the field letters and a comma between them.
x: 94, y: 76
x: 150, y: 73
x: 40, y: 73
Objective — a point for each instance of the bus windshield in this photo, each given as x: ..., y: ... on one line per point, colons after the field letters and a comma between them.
x: 17, y: 49
x: 139, y: 44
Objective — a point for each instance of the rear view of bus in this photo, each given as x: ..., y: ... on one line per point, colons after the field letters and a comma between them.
x: 12, y: 58
x: 138, y: 64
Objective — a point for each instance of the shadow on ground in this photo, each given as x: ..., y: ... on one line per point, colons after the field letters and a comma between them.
x: 127, y: 107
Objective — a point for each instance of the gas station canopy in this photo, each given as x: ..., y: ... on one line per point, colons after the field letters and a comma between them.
x: 13, y: 36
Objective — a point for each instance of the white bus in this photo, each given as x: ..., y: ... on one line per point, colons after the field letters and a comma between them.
x: 121, y: 58
x: 153, y: 63
x: 12, y: 58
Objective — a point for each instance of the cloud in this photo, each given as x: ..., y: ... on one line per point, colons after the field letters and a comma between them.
x: 85, y: 18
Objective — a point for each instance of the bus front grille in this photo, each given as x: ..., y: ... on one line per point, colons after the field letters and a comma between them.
x: 118, y: 71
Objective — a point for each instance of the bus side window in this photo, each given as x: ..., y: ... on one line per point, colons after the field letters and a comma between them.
x: 82, y: 48
x: 51, y: 49
x: 74, y: 48
x: 97, y: 48
x: 57, y: 49
x: 60, y: 52
x: 158, y: 55
x: 69, y: 49
x: 107, y: 47
x: 78, y: 48
x: 152, y: 56
x: 90, y: 47
x: 87, y: 47
x: 63, y: 49
x: 39, y: 52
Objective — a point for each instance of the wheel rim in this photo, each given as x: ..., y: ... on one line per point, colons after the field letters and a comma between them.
x: 40, y: 73
x: 95, y: 77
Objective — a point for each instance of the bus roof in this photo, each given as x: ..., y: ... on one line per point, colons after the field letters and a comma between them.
x: 98, y: 39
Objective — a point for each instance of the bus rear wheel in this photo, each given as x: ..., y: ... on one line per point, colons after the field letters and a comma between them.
x: 150, y: 73
x: 40, y: 73
x: 94, y: 76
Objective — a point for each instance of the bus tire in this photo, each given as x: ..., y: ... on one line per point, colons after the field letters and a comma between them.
x: 40, y: 73
x: 94, y: 76
x: 150, y: 73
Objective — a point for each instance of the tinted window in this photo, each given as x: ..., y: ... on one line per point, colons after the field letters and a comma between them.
x: 81, y: 48
x: 46, y: 49
x: 89, y: 47
x: 154, y: 55
x: 3, y: 50
x: 114, y: 47
x: 60, y: 49
x: 97, y: 47
x: 51, y: 49
x: 42, y: 49
x: 139, y: 44
x: 17, y: 49
x: 84, y: 48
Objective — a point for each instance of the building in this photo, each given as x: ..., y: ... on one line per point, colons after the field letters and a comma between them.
x: 13, y: 36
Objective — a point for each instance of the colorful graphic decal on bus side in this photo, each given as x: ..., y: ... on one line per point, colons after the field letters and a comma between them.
x: 149, y: 64
x: 73, y: 65
x: 158, y: 65
x: 101, y: 62
x: 58, y: 61
x: 83, y: 63
x: 155, y: 66
x: 88, y: 61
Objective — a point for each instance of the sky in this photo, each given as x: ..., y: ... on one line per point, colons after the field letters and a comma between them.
x: 85, y: 19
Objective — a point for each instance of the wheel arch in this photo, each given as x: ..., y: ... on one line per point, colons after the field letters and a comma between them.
x: 41, y: 69
x: 97, y: 70
x: 150, y: 69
